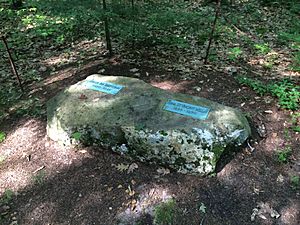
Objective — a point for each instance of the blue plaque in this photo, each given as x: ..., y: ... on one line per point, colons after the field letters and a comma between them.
x: 102, y: 86
x: 195, y: 111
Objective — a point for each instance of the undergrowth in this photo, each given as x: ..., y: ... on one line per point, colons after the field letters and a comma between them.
x: 287, y: 92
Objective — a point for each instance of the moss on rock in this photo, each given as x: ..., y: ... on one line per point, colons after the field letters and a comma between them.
x: 134, y: 124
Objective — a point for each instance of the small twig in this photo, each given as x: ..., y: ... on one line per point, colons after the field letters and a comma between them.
x: 39, y: 169
x: 11, y: 61
x: 251, y: 148
x: 201, y: 223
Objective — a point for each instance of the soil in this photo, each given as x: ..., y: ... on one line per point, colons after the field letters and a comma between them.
x: 53, y: 184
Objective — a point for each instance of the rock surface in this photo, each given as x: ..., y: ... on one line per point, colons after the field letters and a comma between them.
x: 134, y: 123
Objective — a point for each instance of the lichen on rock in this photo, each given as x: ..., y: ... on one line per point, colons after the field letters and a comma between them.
x: 134, y: 123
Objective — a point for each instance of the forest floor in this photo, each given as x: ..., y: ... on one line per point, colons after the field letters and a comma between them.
x: 42, y: 182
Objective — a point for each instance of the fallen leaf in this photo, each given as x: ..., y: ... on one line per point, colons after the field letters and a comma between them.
x: 132, y: 167
x: 83, y: 151
x: 109, y: 189
x: 133, y: 182
x: 262, y: 210
x: 202, y: 208
x: 269, y: 111
x: 121, y: 167
x: 163, y: 171
x: 280, y: 178
x: 134, y: 70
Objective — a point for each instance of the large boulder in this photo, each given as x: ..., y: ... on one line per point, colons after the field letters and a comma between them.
x: 184, y: 132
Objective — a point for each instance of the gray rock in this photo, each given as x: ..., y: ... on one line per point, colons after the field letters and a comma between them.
x: 134, y: 123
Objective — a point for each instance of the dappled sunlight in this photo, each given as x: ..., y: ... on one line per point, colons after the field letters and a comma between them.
x: 59, y: 76
x: 278, y: 61
x: 78, y: 51
x: 42, y: 213
x: 171, y: 85
x: 227, y: 173
x: 32, y: 153
x: 145, y: 204
x: 39, y: 22
x: 14, y: 179
x: 290, y: 214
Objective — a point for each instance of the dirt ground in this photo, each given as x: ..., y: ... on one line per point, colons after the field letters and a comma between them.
x: 83, y: 186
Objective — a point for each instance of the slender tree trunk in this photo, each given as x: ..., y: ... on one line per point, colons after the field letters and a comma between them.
x: 12, y: 64
x: 16, y: 4
x: 133, y: 27
x: 218, y: 9
x: 107, y: 33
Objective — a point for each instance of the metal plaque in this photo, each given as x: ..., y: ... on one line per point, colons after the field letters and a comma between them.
x: 195, y: 111
x: 102, y: 86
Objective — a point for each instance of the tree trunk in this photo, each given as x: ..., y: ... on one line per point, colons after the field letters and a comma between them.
x: 107, y: 33
x: 16, y: 4
x: 12, y: 63
x: 218, y: 9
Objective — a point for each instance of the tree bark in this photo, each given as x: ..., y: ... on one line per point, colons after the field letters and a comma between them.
x: 218, y: 9
x: 12, y: 64
x: 107, y: 32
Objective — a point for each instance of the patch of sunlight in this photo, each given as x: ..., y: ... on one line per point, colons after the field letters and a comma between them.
x: 78, y: 51
x: 44, y: 212
x: 290, y: 214
x: 145, y: 204
x: 59, y: 76
x: 171, y: 86
x: 277, y: 62
x: 34, y: 21
x: 14, y: 179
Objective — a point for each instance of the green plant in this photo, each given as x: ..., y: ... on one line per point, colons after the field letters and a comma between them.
x: 234, y: 53
x: 256, y: 85
x: 7, y: 196
x: 77, y: 136
x: 284, y: 154
x: 295, y: 66
x: 2, y: 136
x: 287, y: 93
x: 164, y: 213
x: 295, y: 122
x: 262, y: 48
x: 295, y: 182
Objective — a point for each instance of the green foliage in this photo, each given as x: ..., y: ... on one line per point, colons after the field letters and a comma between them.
x: 234, y: 53
x: 77, y: 136
x: 286, y: 91
x: 295, y: 182
x: 262, y: 48
x: 6, y: 197
x: 295, y: 66
x: 164, y: 213
x: 296, y: 128
x: 2, y: 136
x: 292, y: 5
x: 284, y: 154
x: 256, y: 85
x: 296, y: 122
